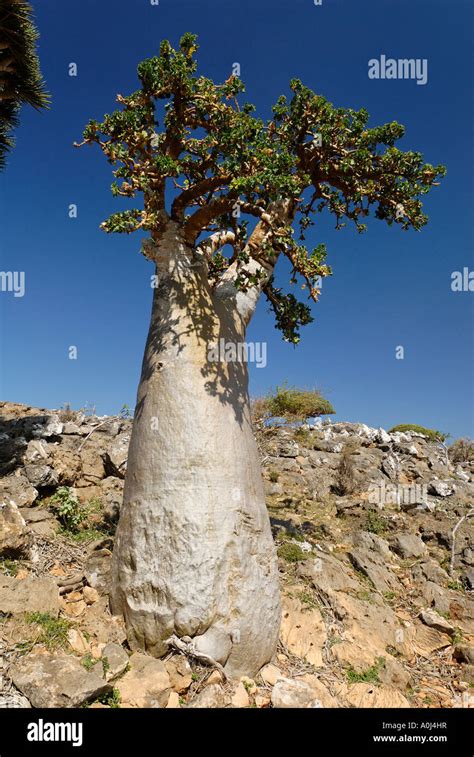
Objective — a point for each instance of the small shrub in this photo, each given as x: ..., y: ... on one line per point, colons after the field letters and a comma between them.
x: 85, y: 536
x: 105, y: 665
x: 111, y: 700
x: 88, y: 662
x: 374, y: 523
x: 273, y: 475
x: 53, y: 630
x: 307, y: 599
x: 8, y: 567
x: 371, y: 675
x: 462, y: 451
x: 291, y: 552
x: 65, y: 505
x: 430, y: 433
x: 345, y: 482
x: 66, y: 413
x: 291, y: 404
x: 304, y: 437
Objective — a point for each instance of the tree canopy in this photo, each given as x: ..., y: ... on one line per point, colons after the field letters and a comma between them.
x: 245, y: 191
x: 20, y: 76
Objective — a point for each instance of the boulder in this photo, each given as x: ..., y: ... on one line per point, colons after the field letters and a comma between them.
x: 146, y: 684
x: 13, y: 699
x: 115, y: 458
x: 40, y: 521
x: 373, y: 565
x: 270, y: 674
x: 56, y: 680
x: 289, y: 693
x: 40, y: 475
x: 210, y: 696
x: 13, y: 535
x: 116, y: 661
x: 408, y: 545
x: 436, y: 621
x: 240, y: 697
x: 180, y: 673
x: 464, y: 653
x: 36, y: 451
x: 30, y: 594
x: 441, y: 488
x: 16, y: 489
x: 328, y: 574
x: 97, y: 570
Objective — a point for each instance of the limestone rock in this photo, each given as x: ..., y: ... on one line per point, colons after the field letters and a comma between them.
x: 56, y: 680
x: 17, y: 490
x: 28, y: 595
x: 180, y: 673
x: 270, y: 674
x: 303, y: 630
x: 13, y: 699
x: 409, y: 545
x: 77, y: 641
x: 240, y: 697
x: 366, y: 695
x: 116, y: 660
x: 146, y: 684
x: 464, y: 653
x: 442, y: 488
x: 90, y: 595
x: 432, y: 619
x: 374, y: 567
x: 115, y: 458
x: 289, y: 692
x: 210, y: 696
x: 215, y: 643
x: 13, y: 534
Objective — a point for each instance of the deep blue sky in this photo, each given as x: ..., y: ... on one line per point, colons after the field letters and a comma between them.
x: 389, y: 288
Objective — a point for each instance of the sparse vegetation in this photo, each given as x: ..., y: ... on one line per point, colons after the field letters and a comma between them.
x: 85, y: 535
x: 105, y: 665
x: 292, y: 404
x: 345, y: 479
x: 53, y: 630
x: 273, y: 475
x: 9, y: 567
x: 291, y: 552
x: 462, y: 451
x: 307, y: 599
x: 431, y: 433
x: 111, y: 700
x: 371, y: 675
x: 374, y: 523
x: 88, y: 662
x: 65, y: 505
x: 66, y: 413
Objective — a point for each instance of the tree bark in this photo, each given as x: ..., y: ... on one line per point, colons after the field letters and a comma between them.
x: 194, y: 554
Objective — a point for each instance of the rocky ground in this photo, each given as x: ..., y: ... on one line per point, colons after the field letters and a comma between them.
x: 377, y: 581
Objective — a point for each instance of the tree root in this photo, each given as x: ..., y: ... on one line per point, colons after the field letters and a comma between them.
x: 187, y: 648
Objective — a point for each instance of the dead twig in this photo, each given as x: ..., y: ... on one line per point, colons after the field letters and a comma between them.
x: 453, y: 534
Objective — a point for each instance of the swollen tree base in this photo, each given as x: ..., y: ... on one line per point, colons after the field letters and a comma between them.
x: 194, y: 555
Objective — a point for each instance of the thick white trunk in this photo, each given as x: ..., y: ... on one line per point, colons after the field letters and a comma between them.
x: 194, y: 554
